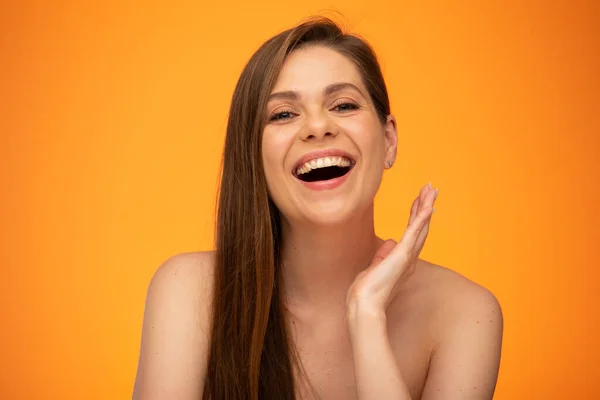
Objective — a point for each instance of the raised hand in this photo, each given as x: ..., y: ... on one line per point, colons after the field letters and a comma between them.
x: 375, y: 287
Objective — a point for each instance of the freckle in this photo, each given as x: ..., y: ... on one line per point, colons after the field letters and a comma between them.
x: 438, y: 390
x: 490, y: 320
x: 474, y: 387
x: 477, y: 321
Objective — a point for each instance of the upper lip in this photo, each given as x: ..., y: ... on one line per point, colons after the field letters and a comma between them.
x: 321, y: 153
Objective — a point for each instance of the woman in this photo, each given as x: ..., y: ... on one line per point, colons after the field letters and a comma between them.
x: 301, y: 299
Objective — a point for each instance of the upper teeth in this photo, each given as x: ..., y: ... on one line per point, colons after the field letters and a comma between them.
x: 323, y: 162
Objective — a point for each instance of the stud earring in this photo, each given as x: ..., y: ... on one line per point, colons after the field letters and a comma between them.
x: 390, y: 163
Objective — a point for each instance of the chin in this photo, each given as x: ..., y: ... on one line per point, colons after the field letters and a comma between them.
x: 331, y: 213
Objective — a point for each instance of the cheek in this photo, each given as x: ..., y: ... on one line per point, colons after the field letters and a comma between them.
x: 276, y: 142
x: 274, y: 150
x: 370, y: 140
x: 371, y: 143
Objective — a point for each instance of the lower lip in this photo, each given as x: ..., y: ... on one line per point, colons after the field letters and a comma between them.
x: 328, y: 184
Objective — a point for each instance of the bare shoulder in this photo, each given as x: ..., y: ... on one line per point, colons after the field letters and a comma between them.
x: 186, y: 272
x: 452, y: 295
x: 467, y: 324
x: 175, y: 330
x: 181, y: 286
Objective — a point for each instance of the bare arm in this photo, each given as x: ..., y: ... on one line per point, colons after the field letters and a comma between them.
x: 375, y: 368
x: 174, y: 345
x: 466, y: 359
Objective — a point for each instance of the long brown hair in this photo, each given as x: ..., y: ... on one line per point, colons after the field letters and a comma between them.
x: 251, y: 354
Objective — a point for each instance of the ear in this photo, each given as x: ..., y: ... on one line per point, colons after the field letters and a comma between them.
x: 391, y: 141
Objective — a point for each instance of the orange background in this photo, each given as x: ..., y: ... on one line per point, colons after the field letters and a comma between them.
x: 112, y: 120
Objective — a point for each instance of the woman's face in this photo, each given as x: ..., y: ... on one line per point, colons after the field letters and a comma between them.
x: 324, y: 148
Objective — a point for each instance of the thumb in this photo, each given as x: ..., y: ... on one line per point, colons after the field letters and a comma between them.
x: 383, y: 251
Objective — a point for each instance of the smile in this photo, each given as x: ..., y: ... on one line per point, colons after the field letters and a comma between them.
x: 324, y: 168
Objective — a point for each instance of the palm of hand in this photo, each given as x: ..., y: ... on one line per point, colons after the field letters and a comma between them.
x: 394, y: 262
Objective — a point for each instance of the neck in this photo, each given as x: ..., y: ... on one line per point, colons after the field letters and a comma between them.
x: 320, y: 263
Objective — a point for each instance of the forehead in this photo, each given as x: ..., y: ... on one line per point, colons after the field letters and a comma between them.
x: 315, y: 67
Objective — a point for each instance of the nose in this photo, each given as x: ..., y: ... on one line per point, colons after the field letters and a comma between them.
x: 317, y: 127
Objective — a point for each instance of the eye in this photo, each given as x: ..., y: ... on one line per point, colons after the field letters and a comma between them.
x: 346, y: 106
x: 281, y: 115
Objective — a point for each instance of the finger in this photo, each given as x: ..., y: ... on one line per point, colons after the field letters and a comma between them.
x: 403, y: 251
x: 383, y: 251
x: 399, y: 256
x: 413, y: 210
x: 417, y: 203
x: 422, y: 194
x: 424, y: 190
x: 414, y: 236
x: 420, y: 202
x: 420, y: 242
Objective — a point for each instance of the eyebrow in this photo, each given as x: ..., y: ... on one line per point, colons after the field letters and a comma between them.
x: 330, y: 89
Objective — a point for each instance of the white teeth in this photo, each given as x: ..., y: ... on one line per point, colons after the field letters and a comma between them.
x: 323, y: 162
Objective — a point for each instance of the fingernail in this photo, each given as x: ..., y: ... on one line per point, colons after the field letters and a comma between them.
x: 433, y: 210
x: 436, y: 193
x: 430, y: 187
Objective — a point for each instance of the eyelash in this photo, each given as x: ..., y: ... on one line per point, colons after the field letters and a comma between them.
x: 278, y: 117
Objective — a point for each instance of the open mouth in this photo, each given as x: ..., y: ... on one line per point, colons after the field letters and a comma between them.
x: 324, y: 169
